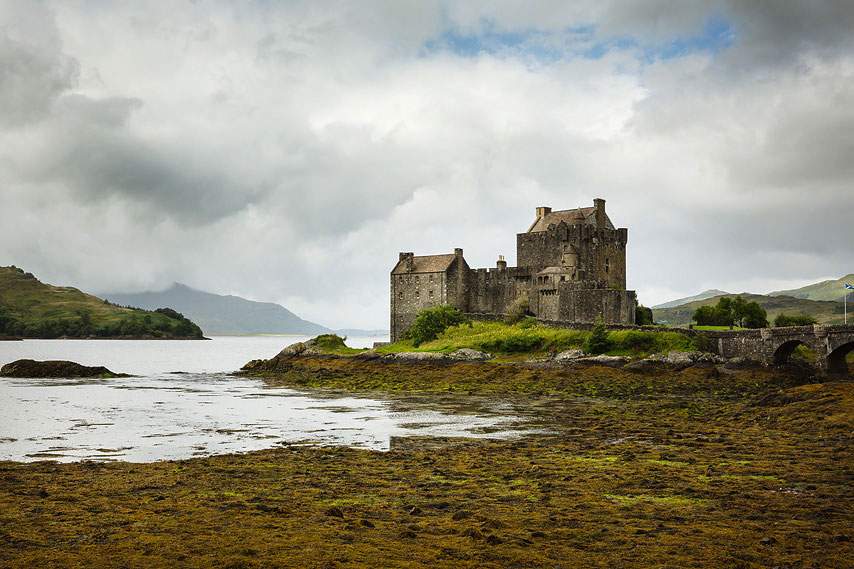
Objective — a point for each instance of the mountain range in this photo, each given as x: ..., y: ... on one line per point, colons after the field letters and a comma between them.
x: 822, y: 301
x: 222, y: 314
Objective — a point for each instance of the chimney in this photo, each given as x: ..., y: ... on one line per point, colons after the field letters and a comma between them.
x: 409, y: 259
x: 458, y: 253
x: 599, y: 204
x: 543, y: 211
x: 501, y: 264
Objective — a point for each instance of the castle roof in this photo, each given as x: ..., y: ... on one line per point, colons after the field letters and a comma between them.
x: 425, y: 264
x: 577, y: 216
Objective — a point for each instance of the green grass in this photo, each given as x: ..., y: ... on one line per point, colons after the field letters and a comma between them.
x: 536, y: 339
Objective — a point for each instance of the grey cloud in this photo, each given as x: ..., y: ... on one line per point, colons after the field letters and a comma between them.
x: 33, y: 72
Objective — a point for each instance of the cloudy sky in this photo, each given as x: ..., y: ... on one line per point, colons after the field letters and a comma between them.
x: 287, y: 151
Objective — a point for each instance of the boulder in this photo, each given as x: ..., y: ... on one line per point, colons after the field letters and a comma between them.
x: 54, y: 368
x: 569, y: 355
x: 307, y: 348
x: 470, y: 355
x: 603, y: 360
x: 418, y: 356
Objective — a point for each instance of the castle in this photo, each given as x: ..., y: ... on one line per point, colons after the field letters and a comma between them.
x: 572, y: 269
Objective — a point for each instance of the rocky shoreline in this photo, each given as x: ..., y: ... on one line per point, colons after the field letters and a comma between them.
x: 54, y: 369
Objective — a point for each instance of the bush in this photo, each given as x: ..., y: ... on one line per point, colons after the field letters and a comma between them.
x: 330, y: 342
x: 431, y: 322
x: 643, y: 316
x: 518, y: 311
x: 796, y: 320
x: 168, y: 312
x: 599, y: 342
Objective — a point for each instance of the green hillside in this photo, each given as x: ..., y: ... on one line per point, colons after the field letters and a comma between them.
x: 826, y: 312
x: 32, y: 309
x: 825, y: 290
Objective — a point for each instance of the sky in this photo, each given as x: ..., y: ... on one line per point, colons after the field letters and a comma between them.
x: 287, y: 151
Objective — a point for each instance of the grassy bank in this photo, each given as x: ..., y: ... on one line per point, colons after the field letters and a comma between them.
x: 666, y: 482
x: 532, y: 340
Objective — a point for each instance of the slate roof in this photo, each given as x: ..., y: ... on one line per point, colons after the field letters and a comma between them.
x: 426, y: 264
x: 577, y: 216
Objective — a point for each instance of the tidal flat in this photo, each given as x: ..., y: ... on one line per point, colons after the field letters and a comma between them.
x: 704, y: 467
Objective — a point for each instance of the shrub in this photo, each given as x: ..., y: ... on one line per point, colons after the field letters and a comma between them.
x: 643, y: 316
x: 518, y: 311
x: 330, y: 342
x: 431, y: 322
x: 599, y: 342
x: 170, y: 313
x: 796, y: 320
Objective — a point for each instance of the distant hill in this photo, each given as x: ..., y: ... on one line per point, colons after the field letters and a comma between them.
x: 687, y: 299
x: 826, y: 312
x: 825, y: 290
x: 223, y: 315
x: 33, y: 309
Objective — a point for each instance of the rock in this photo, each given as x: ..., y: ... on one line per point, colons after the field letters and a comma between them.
x: 368, y: 355
x: 334, y: 512
x: 461, y: 515
x: 367, y: 523
x: 645, y: 365
x: 54, y: 368
x: 307, y: 348
x: 414, y: 511
x: 418, y: 356
x: 681, y: 360
x: 471, y: 355
x: 493, y: 540
x: 408, y: 534
x: 569, y: 355
x: 610, y: 361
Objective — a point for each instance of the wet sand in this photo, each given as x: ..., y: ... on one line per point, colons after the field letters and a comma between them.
x: 698, y: 468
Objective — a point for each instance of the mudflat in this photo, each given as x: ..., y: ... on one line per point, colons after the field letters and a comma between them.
x: 704, y: 467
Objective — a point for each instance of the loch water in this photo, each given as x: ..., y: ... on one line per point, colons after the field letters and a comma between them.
x: 182, y: 401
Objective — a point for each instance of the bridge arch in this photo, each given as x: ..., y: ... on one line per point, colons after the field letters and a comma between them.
x: 784, y: 351
x: 836, y: 360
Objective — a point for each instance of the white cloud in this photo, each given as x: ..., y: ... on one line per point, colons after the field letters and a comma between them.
x: 288, y: 151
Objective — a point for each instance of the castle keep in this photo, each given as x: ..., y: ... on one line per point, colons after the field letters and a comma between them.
x: 572, y: 269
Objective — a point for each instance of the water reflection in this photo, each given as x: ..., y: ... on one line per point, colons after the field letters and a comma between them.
x: 174, y: 416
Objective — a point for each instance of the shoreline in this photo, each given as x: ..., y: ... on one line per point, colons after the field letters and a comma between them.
x: 644, y: 475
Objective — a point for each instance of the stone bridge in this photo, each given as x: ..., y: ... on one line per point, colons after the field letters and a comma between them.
x: 774, y: 345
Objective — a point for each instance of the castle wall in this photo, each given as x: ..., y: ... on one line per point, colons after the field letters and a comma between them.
x: 412, y: 293
x: 578, y: 302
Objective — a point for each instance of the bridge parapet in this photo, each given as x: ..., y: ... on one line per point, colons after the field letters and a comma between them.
x: 775, y: 345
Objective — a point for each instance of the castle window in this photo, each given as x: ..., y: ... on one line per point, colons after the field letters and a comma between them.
x: 416, y: 280
x: 431, y: 294
x: 400, y: 295
x: 431, y: 278
x: 401, y: 279
x: 607, y: 265
x: 417, y: 294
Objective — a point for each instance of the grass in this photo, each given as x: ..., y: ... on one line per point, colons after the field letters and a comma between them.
x: 534, y: 340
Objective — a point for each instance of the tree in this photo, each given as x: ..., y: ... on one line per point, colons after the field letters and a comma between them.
x: 431, y: 322
x: 796, y: 320
x: 599, y: 341
x: 518, y: 311
x: 729, y: 312
x: 643, y: 316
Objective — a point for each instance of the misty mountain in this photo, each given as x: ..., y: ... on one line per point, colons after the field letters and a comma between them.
x: 680, y: 301
x: 222, y: 315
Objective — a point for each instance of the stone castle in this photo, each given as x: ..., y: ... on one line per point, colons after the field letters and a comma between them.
x: 572, y: 269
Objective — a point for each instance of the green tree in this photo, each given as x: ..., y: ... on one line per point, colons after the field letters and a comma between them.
x: 431, y: 322
x: 643, y: 316
x: 729, y: 312
x: 796, y: 320
x: 599, y: 341
x: 518, y: 311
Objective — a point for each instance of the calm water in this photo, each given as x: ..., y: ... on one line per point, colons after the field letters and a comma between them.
x: 182, y: 403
